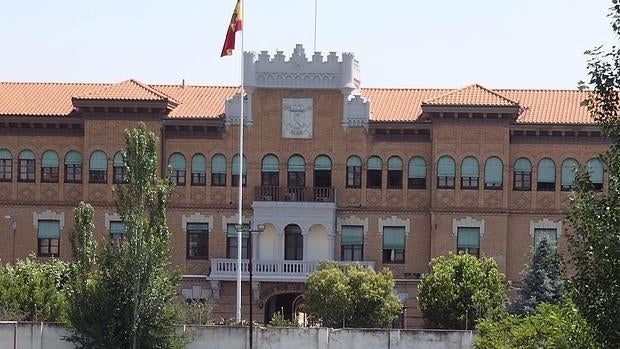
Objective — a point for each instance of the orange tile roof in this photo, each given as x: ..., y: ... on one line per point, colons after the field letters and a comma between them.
x: 387, y: 105
x: 472, y: 95
x: 198, y: 101
x: 127, y: 90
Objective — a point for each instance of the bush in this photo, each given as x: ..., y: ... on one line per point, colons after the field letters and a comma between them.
x: 278, y: 320
x: 460, y: 290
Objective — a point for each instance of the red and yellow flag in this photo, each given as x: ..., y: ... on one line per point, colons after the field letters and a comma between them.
x: 236, y: 24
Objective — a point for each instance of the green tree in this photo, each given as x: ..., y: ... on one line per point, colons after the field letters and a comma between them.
x: 459, y: 290
x: 34, y: 291
x: 130, y: 302
x: 594, y: 241
x: 351, y: 296
x: 542, y: 282
x: 552, y: 326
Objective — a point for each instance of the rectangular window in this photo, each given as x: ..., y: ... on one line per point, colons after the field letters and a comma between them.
x: 354, y: 176
x: 522, y: 181
x: 417, y: 183
x: 48, y: 235
x: 120, y: 175
x: 468, y: 240
x: 395, y: 179
x: 98, y: 176
x: 469, y: 183
x: 231, y: 242
x: 545, y: 186
x: 352, y: 243
x: 218, y: 179
x: 197, y: 240
x: 26, y: 170
x: 199, y: 179
x: 49, y: 174
x: 234, y: 182
x: 393, y: 244
x: 118, y: 232
x: 296, y: 179
x: 445, y: 182
x: 178, y: 177
x: 270, y: 179
x: 5, y: 170
x: 73, y: 173
x: 551, y: 235
x: 373, y: 179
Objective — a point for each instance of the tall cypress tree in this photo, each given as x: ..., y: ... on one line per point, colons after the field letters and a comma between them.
x: 133, y: 285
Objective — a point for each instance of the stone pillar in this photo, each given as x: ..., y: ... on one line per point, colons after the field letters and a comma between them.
x: 332, y: 247
x: 255, y: 242
x: 305, y: 250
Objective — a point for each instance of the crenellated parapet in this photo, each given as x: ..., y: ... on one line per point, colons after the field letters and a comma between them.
x: 263, y: 70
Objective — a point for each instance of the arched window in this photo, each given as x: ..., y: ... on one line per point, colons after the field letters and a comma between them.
x: 446, y: 169
x: 594, y: 167
x: 177, y: 168
x: 73, y: 167
x: 98, y: 167
x: 374, y: 170
x: 218, y: 170
x: 296, y: 170
x: 546, y: 175
x: 493, y: 173
x: 293, y: 243
x: 322, y: 172
x: 27, y: 166
x: 354, y: 172
x: 6, y: 166
x: 469, y: 173
x: 270, y: 171
x: 199, y: 170
x: 395, y: 173
x: 49, y: 166
x: 570, y: 167
x: 417, y: 173
x: 118, y: 169
x: 235, y: 171
x: 522, y: 175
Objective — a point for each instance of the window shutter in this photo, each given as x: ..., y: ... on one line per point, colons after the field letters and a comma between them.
x: 469, y: 167
x: 395, y: 164
x: 523, y: 165
x: 322, y: 163
x: 354, y: 161
x: 98, y: 161
x: 546, y: 171
x: 117, y: 227
x: 394, y: 238
x: 218, y: 164
x: 296, y: 164
x: 352, y: 235
x: 49, y: 230
x: 270, y: 164
x: 493, y: 171
x: 375, y: 163
x: 417, y: 167
x: 569, y: 170
x: 595, y: 170
x: 199, y: 164
x: 73, y: 158
x: 118, y: 160
x: 5, y: 154
x: 445, y: 167
x: 26, y: 155
x: 468, y: 237
x: 231, y: 231
x: 177, y: 162
x: 49, y: 159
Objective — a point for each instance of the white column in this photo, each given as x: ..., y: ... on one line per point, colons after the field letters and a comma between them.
x: 255, y: 242
x: 280, y: 255
x: 332, y: 246
x: 305, y: 246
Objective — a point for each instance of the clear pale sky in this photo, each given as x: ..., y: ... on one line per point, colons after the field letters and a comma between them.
x: 399, y: 43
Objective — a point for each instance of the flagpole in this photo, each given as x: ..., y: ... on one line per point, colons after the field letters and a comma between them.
x: 316, y: 5
x: 240, y: 176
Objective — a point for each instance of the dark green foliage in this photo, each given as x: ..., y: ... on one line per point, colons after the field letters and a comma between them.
x: 127, y: 301
x: 351, y: 296
x: 552, y: 326
x: 278, y: 320
x: 543, y: 281
x: 594, y: 241
x: 34, y: 291
x: 460, y: 290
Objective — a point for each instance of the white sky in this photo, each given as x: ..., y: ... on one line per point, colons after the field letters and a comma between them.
x: 399, y: 43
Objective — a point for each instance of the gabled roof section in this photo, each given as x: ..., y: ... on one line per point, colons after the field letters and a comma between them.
x: 472, y: 95
x: 127, y: 90
x: 198, y: 101
x: 398, y: 104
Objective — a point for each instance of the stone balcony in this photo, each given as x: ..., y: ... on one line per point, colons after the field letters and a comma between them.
x: 294, y: 194
x: 226, y: 269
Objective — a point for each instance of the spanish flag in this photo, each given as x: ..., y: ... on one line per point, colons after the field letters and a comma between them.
x: 236, y: 25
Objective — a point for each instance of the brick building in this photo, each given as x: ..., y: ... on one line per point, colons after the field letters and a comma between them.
x: 386, y: 177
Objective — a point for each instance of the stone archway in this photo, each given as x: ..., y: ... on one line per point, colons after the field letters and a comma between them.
x: 287, y: 303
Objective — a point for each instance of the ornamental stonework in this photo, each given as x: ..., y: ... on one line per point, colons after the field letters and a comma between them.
x: 297, y: 118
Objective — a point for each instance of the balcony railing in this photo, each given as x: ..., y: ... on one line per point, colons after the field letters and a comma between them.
x: 294, y: 194
x: 226, y: 269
